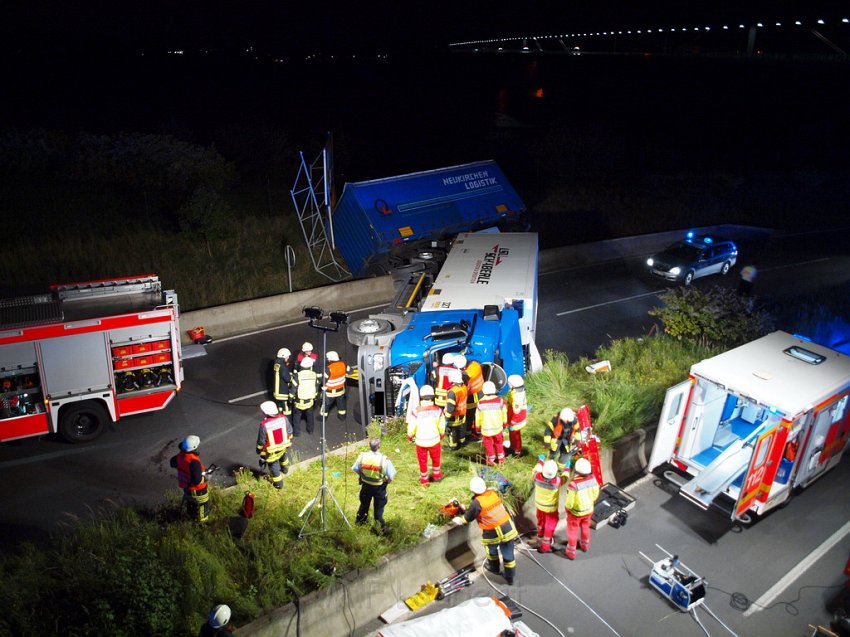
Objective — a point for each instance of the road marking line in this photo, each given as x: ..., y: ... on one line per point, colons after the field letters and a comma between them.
x: 246, y: 397
x: 627, y: 298
x: 794, y: 265
x: 774, y: 591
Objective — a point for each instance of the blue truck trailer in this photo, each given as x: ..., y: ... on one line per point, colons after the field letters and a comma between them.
x: 378, y: 222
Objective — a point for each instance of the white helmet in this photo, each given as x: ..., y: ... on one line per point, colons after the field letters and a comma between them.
x: 455, y: 377
x: 307, y: 347
x: 489, y: 388
x: 459, y: 361
x: 269, y: 408
x: 567, y: 415
x: 332, y: 356
x: 307, y: 362
x: 426, y: 392
x: 283, y: 353
x: 550, y: 469
x: 190, y: 443
x: 477, y: 485
x: 583, y: 466
x: 219, y: 616
x: 515, y: 380
x: 448, y: 357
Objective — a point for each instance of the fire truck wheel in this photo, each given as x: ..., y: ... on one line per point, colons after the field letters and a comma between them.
x: 82, y: 422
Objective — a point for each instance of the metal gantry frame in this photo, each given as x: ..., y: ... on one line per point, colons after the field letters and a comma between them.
x: 310, y: 178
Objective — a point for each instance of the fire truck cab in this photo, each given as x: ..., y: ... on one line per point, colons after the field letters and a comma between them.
x: 85, y: 354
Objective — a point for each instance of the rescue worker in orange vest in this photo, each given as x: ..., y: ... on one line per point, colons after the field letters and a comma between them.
x: 582, y: 492
x: 282, y: 380
x: 497, y: 527
x: 491, y: 418
x: 473, y: 376
x: 192, y: 478
x: 334, y: 388
x: 273, y: 441
x: 456, y: 409
x: 547, y: 485
x: 426, y: 428
x: 441, y: 380
x: 305, y: 389
x: 558, y: 435
x: 306, y: 352
x: 517, y: 403
x: 376, y: 471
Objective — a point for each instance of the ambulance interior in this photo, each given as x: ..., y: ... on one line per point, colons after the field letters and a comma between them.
x: 720, y: 432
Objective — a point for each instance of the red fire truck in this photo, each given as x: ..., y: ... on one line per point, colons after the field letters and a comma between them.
x: 87, y: 353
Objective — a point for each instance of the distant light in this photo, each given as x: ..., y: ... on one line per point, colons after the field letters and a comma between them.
x: 821, y: 22
x: 638, y: 30
x: 798, y: 23
x: 740, y: 26
x: 845, y: 20
x: 673, y: 30
x: 759, y: 25
x: 708, y: 28
x: 779, y: 24
x: 649, y: 30
x: 629, y: 32
x: 725, y: 28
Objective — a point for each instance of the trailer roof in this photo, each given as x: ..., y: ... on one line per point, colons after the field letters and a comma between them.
x: 486, y: 269
x: 765, y: 371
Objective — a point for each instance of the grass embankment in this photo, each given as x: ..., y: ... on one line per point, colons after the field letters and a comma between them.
x: 147, y: 572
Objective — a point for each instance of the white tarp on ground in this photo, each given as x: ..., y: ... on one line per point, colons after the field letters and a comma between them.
x: 477, y: 617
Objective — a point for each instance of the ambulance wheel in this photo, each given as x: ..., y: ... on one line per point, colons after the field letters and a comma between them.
x: 82, y: 422
x: 361, y: 328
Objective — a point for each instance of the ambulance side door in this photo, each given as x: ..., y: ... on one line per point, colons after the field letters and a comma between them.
x: 669, y: 424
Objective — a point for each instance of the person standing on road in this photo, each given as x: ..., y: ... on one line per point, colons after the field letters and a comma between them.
x: 282, y: 380
x: 426, y: 428
x: 582, y: 492
x: 306, y: 352
x: 305, y: 389
x: 491, y: 418
x: 456, y: 409
x: 547, y: 489
x: 497, y: 527
x: 334, y: 388
x: 273, y: 441
x: 218, y: 624
x: 192, y: 478
x: 748, y: 279
x: 517, y: 412
x: 376, y: 471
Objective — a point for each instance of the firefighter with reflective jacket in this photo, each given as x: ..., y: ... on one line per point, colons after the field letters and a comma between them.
x: 558, y: 437
x: 517, y: 403
x: 375, y: 471
x: 473, y: 376
x: 456, y: 409
x: 497, y: 527
x: 582, y: 492
x: 442, y: 383
x: 282, y: 380
x: 306, y: 352
x: 426, y: 428
x: 192, y: 478
x: 547, y: 488
x: 305, y: 389
x: 491, y: 417
x: 334, y: 388
x: 273, y: 441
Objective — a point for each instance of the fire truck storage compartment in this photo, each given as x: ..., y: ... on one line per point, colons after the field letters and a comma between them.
x: 145, y: 353
x: 75, y: 364
x: 20, y: 386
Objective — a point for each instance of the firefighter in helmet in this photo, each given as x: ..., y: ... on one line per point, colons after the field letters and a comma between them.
x: 334, y: 388
x: 498, y: 531
x: 456, y: 409
x: 441, y: 379
x: 306, y: 352
x: 426, y: 428
x: 282, y: 380
x: 305, y: 389
x: 273, y: 441
x: 192, y: 478
x: 473, y: 376
x: 218, y: 624
x: 491, y: 418
x: 558, y: 437
x: 582, y: 493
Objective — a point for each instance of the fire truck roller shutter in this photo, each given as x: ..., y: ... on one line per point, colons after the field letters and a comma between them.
x: 82, y: 421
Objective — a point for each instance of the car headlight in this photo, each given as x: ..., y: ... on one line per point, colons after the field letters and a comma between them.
x: 675, y: 270
x: 650, y: 262
x: 377, y: 362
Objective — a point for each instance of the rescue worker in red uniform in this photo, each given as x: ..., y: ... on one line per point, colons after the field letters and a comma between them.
x: 558, y: 437
x: 306, y: 352
x: 473, y: 376
x: 426, y: 428
x: 517, y: 403
x: 282, y: 380
x: 441, y: 380
x: 305, y: 389
x: 192, y: 478
x: 273, y: 441
x: 498, y: 532
x: 491, y: 417
x: 456, y: 409
x: 376, y: 471
x: 547, y: 485
x: 582, y: 492
x: 334, y: 388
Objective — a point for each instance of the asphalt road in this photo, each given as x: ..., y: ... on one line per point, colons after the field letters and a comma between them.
x: 45, y: 482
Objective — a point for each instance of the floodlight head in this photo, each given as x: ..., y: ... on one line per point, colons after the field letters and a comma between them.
x: 339, y: 317
x: 313, y: 313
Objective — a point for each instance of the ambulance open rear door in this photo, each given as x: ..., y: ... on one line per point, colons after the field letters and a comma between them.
x: 672, y: 414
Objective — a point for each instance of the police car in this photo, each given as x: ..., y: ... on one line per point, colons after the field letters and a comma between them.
x: 694, y: 257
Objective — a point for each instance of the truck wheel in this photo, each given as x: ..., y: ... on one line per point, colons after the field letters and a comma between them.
x: 82, y: 422
x: 725, y: 269
x: 360, y: 329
